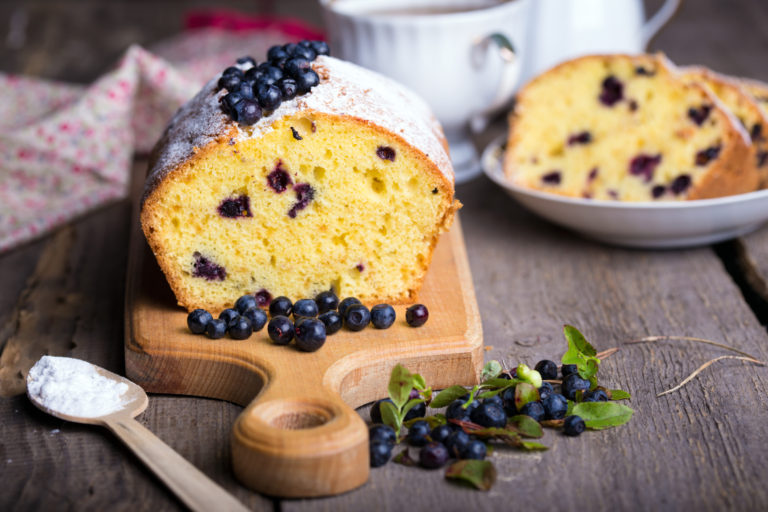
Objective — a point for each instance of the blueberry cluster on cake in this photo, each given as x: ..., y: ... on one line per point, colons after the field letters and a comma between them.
x: 630, y: 128
x: 295, y: 176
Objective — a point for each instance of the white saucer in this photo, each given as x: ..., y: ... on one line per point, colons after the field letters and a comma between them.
x: 654, y: 225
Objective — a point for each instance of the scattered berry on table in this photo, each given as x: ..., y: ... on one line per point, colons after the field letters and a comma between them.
x: 572, y: 384
x: 433, y: 456
x: 417, y: 411
x: 310, y: 334
x: 456, y: 443
x: 332, y: 321
x: 380, y: 453
x: 376, y: 411
x: 326, y: 301
x: 530, y: 376
x: 440, y: 433
x: 305, y: 307
x: 508, y: 397
x: 240, y: 328
x: 534, y: 410
x: 569, y: 369
x: 573, y: 426
x: 245, y: 302
x: 228, y: 315
x: 280, y: 306
x: 495, y: 399
x: 475, y: 449
x: 489, y: 415
x: 383, y: 434
x: 545, y: 390
x: 597, y: 395
x: 197, y: 320
x: 417, y: 434
x: 280, y: 330
x: 555, y: 406
x: 357, y: 317
x: 216, y: 329
x: 344, y: 304
x: 257, y: 316
x: 456, y: 410
x: 383, y: 316
x: 547, y: 369
x: 417, y: 315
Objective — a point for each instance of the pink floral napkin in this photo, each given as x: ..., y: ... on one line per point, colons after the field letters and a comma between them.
x: 66, y: 149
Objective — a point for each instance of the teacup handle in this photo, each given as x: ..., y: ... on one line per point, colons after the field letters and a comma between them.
x: 658, y: 20
x: 509, y: 76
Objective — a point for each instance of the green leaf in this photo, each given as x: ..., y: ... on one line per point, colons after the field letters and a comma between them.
x: 493, y: 392
x: 390, y: 416
x: 499, y: 383
x: 410, y: 405
x: 479, y: 473
x: 492, y: 369
x: 471, y: 398
x: 600, y: 415
x: 419, y: 382
x: 580, y: 353
x: 569, y: 410
x: 404, y: 458
x: 525, y: 426
x: 532, y: 446
x: 400, y: 385
x: 434, y: 421
x: 618, y: 394
x: 446, y: 396
x: 525, y: 393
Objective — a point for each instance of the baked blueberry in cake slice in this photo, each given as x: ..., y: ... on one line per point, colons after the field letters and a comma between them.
x: 294, y: 176
x: 759, y: 92
x: 628, y: 128
x: 746, y: 109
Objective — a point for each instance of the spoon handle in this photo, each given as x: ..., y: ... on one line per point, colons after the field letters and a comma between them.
x: 192, y: 487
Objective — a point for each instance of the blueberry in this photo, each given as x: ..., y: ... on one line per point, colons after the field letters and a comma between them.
x: 290, y: 48
x: 228, y: 315
x: 569, y: 369
x: 207, y: 269
x: 247, y: 60
x: 417, y: 315
x: 280, y: 306
x: 534, y: 410
x: 680, y: 184
x: 295, y: 67
x: 383, y: 316
x: 197, y: 320
x: 257, y: 317
x: 508, y: 397
x: 380, y: 453
x: 383, y: 434
x: 233, y: 71
x: 597, y: 395
x: 495, y: 399
x: 417, y: 434
x: 545, y: 390
x: 457, y: 442
x: 644, y: 165
x: 310, y: 334
x: 573, y: 426
x: 547, y: 369
x: 245, y: 302
x: 326, y: 301
x: 216, y: 329
x: 306, y: 81
x: 246, y: 89
x: 376, y: 410
x: 456, y: 410
x: 230, y: 82
x: 555, y: 406
x: 306, y: 308
x: 357, y: 317
x: 276, y: 52
x: 288, y: 88
x: 249, y: 112
x: 332, y: 321
x: 474, y: 450
x: 305, y: 52
x: 320, y: 47
x: 573, y: 383
x: 343, y: 305
x: 705, y: 156
x: 433, y: 456
x: 230, y: 104
x: 612, y: 91
x: 417, y: 411
x: 271, y: 73
x: 269, y: 96
x: 489, y: 415
x: 240, y: 328
x: 552, y: 178
x: 441, y: 433
x: 280, y: 330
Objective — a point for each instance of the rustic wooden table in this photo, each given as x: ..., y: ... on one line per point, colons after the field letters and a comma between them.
x: 702, y: 448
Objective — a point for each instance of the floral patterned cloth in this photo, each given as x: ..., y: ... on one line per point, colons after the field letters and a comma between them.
x: 66, y: 149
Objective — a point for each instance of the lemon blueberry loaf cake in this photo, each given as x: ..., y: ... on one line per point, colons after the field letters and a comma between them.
x: 759, y: 92
x: 619, y: 127
x: 299, y: 175
x: 746, y: 109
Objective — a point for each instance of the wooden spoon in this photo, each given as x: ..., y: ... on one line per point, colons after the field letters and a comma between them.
x: 196, y: 490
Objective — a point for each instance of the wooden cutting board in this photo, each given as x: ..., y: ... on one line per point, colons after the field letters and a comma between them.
x: 299, y: 435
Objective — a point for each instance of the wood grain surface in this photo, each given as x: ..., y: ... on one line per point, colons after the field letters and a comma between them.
x: 702, y: 448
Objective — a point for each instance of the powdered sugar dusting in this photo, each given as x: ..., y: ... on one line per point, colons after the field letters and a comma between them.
x: 74, y: 387
x: 344, y: 89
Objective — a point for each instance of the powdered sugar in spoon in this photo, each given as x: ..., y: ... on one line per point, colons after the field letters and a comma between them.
x: 78, y: 391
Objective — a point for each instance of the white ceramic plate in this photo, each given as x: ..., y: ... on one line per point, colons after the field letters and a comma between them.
x: 654, y: 225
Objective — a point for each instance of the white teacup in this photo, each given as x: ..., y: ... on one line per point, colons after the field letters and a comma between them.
x: 463, y: 56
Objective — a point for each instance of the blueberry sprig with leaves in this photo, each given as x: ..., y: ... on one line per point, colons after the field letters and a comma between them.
x: 402, y: 383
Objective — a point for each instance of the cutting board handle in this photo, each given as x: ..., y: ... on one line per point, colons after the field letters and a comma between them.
x: 293, y: 444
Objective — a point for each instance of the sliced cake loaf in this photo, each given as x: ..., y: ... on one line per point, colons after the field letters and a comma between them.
x: 759, y: 92
x: 746, y: 109
x: 347, y: 186
x: 627, y: 128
